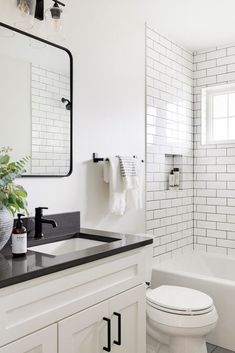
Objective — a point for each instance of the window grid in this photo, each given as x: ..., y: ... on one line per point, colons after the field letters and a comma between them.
x: 212, y: 118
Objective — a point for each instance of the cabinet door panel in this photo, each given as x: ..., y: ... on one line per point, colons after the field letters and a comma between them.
x: 85, y: 332
x: 43, y: 341
x: 128, y: 315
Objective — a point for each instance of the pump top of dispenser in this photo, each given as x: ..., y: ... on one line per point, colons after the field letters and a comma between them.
x: 19, y: 222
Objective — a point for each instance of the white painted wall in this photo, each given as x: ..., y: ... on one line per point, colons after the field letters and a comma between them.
x: 107, y: 42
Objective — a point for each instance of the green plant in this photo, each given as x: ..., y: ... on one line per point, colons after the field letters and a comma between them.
x: 12, y: 196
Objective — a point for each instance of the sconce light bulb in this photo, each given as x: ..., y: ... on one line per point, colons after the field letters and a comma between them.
x: 56, y: 23
x: 56, y: 13
x: 23, y: 7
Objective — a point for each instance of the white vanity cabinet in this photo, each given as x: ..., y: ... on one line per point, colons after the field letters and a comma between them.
x: 92, y: 308
x: 42, y: 341
x: 116, y: 325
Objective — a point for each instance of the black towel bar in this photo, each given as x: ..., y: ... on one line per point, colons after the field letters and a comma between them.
x: 97, y: 159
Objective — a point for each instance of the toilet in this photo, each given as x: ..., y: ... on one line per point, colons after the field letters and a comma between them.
x: 178, y: 318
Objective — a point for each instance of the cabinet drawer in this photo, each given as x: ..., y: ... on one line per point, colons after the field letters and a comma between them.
x: 29, y: 306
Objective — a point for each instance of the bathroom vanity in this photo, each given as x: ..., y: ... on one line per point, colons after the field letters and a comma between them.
x: 85, y: 300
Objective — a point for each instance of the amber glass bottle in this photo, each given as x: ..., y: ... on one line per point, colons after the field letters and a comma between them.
x: 19, y: 238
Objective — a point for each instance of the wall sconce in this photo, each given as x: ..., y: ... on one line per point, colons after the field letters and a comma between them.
x: 27, y: 11
x: 35, y: 8
x: 32, y: 7
x: 24, y: 6
x: 54, y: 15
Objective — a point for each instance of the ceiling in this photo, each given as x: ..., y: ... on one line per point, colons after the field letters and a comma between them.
x: 195, y: 24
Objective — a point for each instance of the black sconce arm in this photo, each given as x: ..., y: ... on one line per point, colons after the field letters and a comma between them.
x: 39, y: 12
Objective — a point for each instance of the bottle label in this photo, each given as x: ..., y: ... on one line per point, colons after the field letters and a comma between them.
x: 171, y: 180
x: 177, y: 178
x: 19, y: 243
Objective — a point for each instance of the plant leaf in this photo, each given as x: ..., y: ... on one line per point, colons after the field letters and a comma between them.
x: 4, y: 159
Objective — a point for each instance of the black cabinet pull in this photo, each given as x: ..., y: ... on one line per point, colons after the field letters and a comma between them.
x: 108, y: 348
x: 119, y: 340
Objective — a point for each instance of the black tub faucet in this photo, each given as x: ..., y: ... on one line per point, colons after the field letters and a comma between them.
x: 39, y: 220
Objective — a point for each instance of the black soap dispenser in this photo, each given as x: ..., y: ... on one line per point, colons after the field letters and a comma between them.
x: 19, y: 238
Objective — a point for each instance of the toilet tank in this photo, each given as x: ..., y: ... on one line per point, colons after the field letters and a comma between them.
x: 148, y: 252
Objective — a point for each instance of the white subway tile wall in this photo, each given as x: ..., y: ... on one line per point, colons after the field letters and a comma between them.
x: 50, y: 122
x: 214, y: 212
x: 169, y: 115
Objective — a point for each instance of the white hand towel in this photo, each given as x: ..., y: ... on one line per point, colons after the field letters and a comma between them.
x: 117, y: 190
x: 136, y: 195
x: 129, y: 172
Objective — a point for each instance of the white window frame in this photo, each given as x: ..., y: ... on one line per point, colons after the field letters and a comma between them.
x: 206, y: 113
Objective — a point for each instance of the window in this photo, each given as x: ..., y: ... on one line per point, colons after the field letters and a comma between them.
x: 218, y: 114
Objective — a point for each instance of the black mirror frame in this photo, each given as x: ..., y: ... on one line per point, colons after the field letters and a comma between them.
x: 71, y: 97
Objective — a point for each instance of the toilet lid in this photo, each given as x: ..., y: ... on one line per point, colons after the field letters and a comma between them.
x: 179, y: 298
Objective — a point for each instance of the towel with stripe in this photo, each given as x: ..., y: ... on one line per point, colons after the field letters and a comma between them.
x: 129, y: 172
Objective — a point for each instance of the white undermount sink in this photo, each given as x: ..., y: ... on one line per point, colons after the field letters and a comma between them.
x: 66, y: 246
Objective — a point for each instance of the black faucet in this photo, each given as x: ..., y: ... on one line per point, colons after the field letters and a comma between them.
x: 39, y: 220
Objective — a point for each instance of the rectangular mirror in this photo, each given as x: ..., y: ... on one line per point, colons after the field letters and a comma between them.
x: 36, y: 102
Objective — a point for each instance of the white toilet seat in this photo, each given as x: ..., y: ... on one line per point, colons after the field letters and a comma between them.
x: 180, y: 312
x: 180, y: 307
x: 179, y: 300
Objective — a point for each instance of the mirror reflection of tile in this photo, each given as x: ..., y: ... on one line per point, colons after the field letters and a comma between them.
x: 50, y: 122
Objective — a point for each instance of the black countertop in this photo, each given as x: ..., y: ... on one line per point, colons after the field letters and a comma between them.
x: 35, y: 264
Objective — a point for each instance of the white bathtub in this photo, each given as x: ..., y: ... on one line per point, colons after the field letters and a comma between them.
x: 211, y: 273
